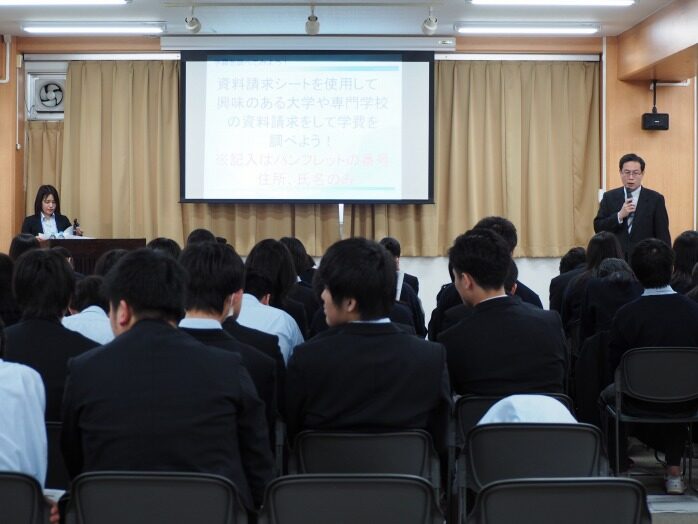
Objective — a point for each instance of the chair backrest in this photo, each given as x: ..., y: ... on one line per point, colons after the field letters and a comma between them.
x: 350, y: 499
x: 663, y: 375
x: 470, y: 409
x: 572, y: 501
x: 403, y: 452
x: 56, y: 474
x: 155, y: 498
x: 512, y: 451
x: 21, y: 499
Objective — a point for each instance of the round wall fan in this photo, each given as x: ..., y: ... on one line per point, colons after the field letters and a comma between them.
x: 51, y: 94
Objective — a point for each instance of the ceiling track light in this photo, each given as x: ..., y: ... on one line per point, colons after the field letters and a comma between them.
x: 192, y: 23
x: 504, y: 28
x: 557, y: 3
x: 49, y: 3
x: 430, y: 23
x: 312, y: 25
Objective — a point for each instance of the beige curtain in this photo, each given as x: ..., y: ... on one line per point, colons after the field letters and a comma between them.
x: 44, y: 158
x: 516, y: 139
x: 121, y: 164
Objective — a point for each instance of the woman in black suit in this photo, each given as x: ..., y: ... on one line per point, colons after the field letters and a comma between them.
x: 47, y: 219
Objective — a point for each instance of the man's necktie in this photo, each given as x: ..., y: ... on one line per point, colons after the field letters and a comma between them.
x: 631, y: 216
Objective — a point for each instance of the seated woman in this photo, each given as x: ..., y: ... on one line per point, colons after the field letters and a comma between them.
x: 47, y: 220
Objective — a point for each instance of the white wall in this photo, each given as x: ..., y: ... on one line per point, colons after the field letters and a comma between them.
x: 433, y: 272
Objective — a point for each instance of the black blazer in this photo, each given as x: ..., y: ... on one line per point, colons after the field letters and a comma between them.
x: 412, y: 281
x: 32, y: 224
x: 602, y: 300
x: 46, y: 346
x: 364, y: 377
x: 651, y: 219
x: 261, y: 368
x: 558, y: 285
x: 504, y: 347
x: 526, y: 294
x: 156, y: 399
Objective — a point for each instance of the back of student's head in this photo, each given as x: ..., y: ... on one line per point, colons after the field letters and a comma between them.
x: 360, y: 269
x: 89, y: 292
x: 484, y: 255
x: 512, y: 277
x: 43, y: 283
x: 602, y: 246
x: 257, y: 284
x: 615, y: 270
x: 301, y: 260
x: 200, y: 235
x: 272, y: 259
x: 2, y: 339
x: 151, y: 283
x: 500, y: 225
x: 108, y: 260
x: 392, y: 245
x: 572, y: 259
x: 21, y: 244
x: 652, y: 261
x: 165, y: 245
x: 685, y: 252
x: 215, y: 271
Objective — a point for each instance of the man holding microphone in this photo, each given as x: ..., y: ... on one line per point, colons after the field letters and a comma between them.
x: 633, y: 212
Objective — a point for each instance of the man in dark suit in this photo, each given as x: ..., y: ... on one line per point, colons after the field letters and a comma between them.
x: 504, y: 346
x: 571, y: 265
x: 43, y: 283
x: 660, y: 317
x: 156, y: 399
x: 506, y: 229
x: 633, y: 212
x: 216, y: 278
x: 364, y: 373
x: 393, y: 247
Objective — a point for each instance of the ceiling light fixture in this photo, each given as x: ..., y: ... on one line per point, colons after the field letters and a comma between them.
x: 471, y: 28
x: 25, y: 3
x: 192, y: 23
x: 551, y: 3
x: 430, y: 23
x: 312, y: 25
x: 96, y: 28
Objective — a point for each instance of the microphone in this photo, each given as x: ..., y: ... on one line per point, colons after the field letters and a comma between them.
x: 76, y: 225
x: 628, y: 196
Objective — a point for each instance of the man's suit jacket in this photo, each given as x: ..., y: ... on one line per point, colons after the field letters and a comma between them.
x: 367, y: 377
x: 506, y: 346
x: 156, y: 399
x: 409, y: 298
x: 46, y: 346
x: 261, y: 368
x: 526, y: 294
x: 651, y: 219
x: 413, y: 282
x: 32, y: 224
x: 558, y: 285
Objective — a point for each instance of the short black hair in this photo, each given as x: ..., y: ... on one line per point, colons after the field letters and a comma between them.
x: 43, y: 283
x: 21, y: 244
x: 150, y: 282
x: 652, y: 261
x: 615, y: 270
x: 215, y: 271
x: 63, y: 251
x: 273, y: 260
x: 503, y: 227
x: 392, y: 245
x: 363, y: 270
x: 685, y: 252
x: 601, y: 246
x: 3, y: 340
x: 484, y: 255
x: 512, y: 277
x: 257, y: 284
x: 302, y: 261
x: 108, y: 260
x: 200, y: 235
x: 573, y: 258
x: 89, y: 292
x: 631, y: 157
x: 42, y: 193
x: 165, y: 245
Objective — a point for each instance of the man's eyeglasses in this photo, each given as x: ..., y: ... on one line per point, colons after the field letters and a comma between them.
x: 634, y: 173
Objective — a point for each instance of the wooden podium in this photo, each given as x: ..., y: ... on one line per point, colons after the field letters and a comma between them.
x: 86, y: 251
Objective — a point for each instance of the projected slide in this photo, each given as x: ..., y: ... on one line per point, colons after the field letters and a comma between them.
x: 307, y: 130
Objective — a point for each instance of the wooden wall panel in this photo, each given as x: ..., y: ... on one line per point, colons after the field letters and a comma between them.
x: 498, y: 44
x: 669, y: 154
x: 88, y: 44
x: 10, y: 172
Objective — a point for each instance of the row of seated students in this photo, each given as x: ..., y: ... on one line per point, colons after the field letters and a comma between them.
x: 198, y: 399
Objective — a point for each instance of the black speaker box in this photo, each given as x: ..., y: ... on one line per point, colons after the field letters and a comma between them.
x: 655, y: 121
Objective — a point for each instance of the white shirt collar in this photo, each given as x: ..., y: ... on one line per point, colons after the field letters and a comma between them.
x: 200, y: 323
x: 384, y: 320
x: 654, y: 291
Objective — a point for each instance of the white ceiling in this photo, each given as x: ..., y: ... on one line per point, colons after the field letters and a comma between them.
x: 338, y: 17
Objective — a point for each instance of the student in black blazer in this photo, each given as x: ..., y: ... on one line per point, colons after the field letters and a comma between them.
x: 571, y: 265
x: 44, y: 282
x: 364, y: 373
x: 47, y: 219
x: 157, y: 399
x: 505, y: 346
x: 216, y: 276
x: 633, y: 212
